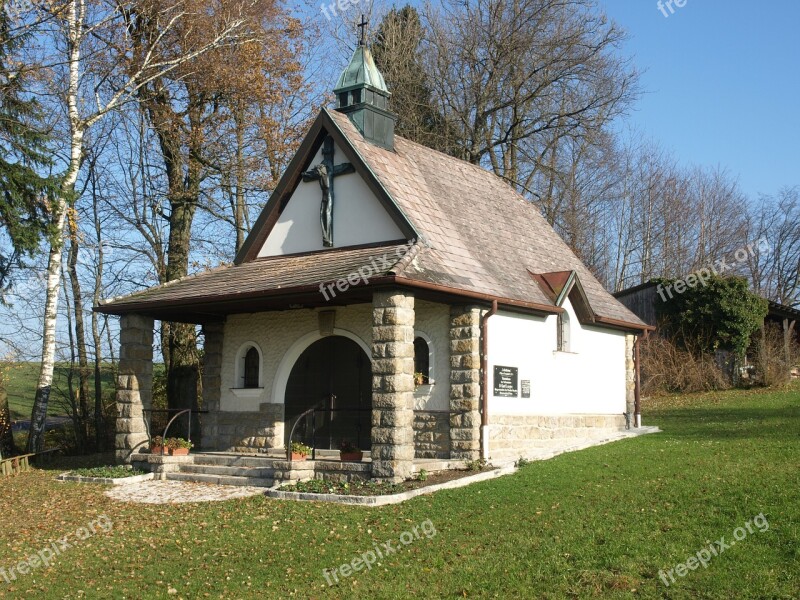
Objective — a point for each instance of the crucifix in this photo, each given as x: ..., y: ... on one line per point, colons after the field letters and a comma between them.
x: 325, y: 172
x: 362, y: 38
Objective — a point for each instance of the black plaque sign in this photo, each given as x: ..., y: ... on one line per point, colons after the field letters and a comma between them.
x: 525, y: 384
x: 505, y: 382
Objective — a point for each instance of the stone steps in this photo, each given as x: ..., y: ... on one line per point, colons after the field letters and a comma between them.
x: 249, y: 470
x: 233, y: 460
x: 228, y: 469
x: 257, y: 472
x: 220, y: 479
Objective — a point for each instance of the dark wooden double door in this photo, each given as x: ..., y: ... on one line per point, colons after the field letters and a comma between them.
x: 334, y: 375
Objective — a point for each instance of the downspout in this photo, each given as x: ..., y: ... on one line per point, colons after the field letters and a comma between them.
x: 637, y: 392
x: 485, y: 368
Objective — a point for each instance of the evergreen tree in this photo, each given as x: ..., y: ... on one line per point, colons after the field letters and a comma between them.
x: 24, y: 214
x: 397, y: 53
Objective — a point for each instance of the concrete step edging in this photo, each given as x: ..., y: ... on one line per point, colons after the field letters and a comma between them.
x: 391, y: 498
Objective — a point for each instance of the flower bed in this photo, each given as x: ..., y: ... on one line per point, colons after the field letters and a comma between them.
x: 114, y: 475
x: 376, y: 488
x: 115, y: 472
x: 373, y: 493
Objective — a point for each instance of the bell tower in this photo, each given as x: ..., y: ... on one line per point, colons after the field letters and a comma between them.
x: 362, y: 95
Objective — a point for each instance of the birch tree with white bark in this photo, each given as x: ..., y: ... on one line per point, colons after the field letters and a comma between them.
x: 92, y: 72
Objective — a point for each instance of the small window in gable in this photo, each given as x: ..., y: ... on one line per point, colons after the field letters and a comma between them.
x: 422, y: 362
x: 252, y: 366
x: 563, y: 332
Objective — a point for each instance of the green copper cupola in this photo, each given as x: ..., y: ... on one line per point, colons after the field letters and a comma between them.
x: 362, y: 95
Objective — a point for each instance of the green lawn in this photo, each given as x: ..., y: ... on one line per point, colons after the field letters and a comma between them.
x: 21, y: 379
x: 598, y: 523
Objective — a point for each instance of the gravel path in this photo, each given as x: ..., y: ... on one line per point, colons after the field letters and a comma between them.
x: 178, y: 492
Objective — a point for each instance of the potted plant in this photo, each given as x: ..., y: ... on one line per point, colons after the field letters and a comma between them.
x: 157, y: 445
x: 300, y: 451
x: 420, y: 379
x: 179, y: 446
x: 349, y: 452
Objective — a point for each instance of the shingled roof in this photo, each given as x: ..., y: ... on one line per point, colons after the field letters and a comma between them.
x: 476, y: 236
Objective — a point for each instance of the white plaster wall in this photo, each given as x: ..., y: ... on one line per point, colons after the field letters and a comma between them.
x: 358, y: 217
x: 433, y: 320
x: 590, y: 379
x: 276, y: 333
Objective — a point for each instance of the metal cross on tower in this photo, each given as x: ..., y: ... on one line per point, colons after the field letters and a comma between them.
x: 362, y: 38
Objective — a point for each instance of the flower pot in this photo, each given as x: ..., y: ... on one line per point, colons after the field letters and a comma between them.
x: 179, y: 452
x: 351, y: 456
x: 158, y: 449
x: 296, y: 456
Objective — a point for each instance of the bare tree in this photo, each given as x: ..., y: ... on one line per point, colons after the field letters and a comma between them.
x: 774, y: 233
x: 187, y: 109
x: 93, y: 76
x: 515, y: 77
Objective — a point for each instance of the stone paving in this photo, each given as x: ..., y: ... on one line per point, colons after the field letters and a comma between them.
x: 178, y: 492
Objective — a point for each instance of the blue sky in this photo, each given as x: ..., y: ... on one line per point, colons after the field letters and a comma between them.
x: 722, y: 82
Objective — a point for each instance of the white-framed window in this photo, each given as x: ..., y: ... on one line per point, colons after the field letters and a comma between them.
x: 423, y: 359
x: 249, y: 367
x: 563, y: 332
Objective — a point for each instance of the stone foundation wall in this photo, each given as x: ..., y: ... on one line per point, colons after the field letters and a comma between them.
x: 134, y: 384
x: 248, y: 431
x: 512, y: 436
x: 465, y: 382
x: 392, y: 385
x: 340, y: 472
x: 213, y: 334
x: 431, y: 434
x: 630, y: 376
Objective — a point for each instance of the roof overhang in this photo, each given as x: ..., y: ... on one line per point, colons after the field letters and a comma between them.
x: 218, y: 307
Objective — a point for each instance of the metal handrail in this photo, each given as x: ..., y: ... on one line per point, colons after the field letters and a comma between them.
x: 172, y: 420
x: 291, y: 433
x: 313, y: 411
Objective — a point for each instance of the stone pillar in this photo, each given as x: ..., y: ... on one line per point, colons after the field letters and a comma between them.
x: 630, y: 378
x: 212, y: 383
x: 134, y: 384
x: 392, y: 385
x: 465, y: 382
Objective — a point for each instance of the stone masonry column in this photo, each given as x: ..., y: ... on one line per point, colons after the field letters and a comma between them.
x: 465, y: 382
x: 392, y: 385
x: 630, y: 378
x: 134, y: 384
x: 212, y: 383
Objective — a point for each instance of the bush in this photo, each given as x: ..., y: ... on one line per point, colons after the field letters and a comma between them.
x: 772, y: 365
x: 720, y: 314
x: 667, y: 368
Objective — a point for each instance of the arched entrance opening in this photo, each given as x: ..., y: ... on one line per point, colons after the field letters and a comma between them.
x: 335, y: 375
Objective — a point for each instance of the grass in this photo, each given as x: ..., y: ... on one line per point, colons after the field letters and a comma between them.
x: 592, y: 524
x: 21, y: 378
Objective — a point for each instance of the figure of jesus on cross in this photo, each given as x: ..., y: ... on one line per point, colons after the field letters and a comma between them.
x: 325, y: 172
